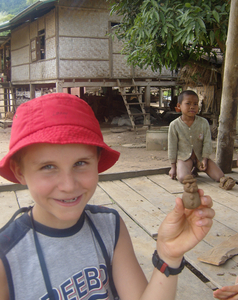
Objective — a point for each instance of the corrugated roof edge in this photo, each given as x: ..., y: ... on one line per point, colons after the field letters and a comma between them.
x: 16, y: 20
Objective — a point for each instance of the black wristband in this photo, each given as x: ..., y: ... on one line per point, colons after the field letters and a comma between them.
x: 164, y: 268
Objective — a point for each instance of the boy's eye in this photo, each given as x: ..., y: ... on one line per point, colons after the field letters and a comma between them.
x: 195, y: 104
x: 47, y: 167
x: 80, y: 163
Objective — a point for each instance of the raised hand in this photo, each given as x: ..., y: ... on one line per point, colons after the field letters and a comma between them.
x: 182, y: 229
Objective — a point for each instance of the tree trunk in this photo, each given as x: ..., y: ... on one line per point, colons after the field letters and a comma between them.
x: 229, y: 99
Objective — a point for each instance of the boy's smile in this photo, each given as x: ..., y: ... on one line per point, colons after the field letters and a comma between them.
x: 61, y: 180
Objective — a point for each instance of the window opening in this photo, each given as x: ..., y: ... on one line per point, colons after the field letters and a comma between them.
x: 41, y: 35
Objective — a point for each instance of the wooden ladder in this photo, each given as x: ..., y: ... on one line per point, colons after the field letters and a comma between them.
x: 136, y: 96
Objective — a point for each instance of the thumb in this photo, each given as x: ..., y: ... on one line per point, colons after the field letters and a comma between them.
x: 178, y: 211
x: 179, y: 207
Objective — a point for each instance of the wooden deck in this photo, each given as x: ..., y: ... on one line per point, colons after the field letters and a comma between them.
x: 143, y: 202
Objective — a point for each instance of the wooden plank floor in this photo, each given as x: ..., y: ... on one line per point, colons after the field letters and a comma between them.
x: 143, y: 202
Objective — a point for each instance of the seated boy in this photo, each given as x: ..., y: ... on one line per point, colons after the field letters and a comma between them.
x: 190, y: 145
x: 63, y: 248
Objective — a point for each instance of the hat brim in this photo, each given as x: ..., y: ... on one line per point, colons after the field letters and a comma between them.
x: 61, y: 134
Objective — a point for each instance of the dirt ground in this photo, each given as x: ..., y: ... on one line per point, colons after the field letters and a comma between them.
x: 131, y: 145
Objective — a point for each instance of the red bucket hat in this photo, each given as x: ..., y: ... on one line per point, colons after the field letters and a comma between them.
x: 57, y: 118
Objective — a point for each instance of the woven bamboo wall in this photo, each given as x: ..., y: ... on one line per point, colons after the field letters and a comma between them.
x: 50, y: 24
x: 43, y: 70
x: 120, y: 67
x: 33, y: 30
x: 20, y: 38
x: 41, y: 23
x: 83, y: 44
x: 50, y: 48
x: 20, y: 73
x: 50, y: 41
x: 20, y: 56
x: 96, y: 4
x: 149, y: 73
x: 83, y: 48
x: 83, y: 23
x: 83, y: 69
x: 117, y: 45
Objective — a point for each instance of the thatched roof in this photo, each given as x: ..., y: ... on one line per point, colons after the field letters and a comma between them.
x: 204, y: 71
x: 194, y: 74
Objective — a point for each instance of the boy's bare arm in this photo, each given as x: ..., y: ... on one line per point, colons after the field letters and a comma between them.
x: 181, y: 230
x: 4, y: 292
x: 128, y: 276
x: 172, y: 172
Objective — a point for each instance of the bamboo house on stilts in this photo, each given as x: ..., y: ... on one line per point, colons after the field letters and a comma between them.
x: 66, y: 46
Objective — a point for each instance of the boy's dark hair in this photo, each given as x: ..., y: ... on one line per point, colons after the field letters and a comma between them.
x: 186, y: 93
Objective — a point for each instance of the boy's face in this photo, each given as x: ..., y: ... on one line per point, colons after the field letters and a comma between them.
x: 189, y: 105
x: 61, y: 180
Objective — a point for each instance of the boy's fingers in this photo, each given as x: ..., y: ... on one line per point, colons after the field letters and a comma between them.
x: 206, y: 212
x: 205, y: 200
x: 201, y: 192
x: 205, y: 222
x: 225, y: 295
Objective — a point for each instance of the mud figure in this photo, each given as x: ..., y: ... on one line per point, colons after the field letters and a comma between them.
x: 190, y: 196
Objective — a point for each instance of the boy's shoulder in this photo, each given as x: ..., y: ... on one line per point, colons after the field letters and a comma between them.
x: 201, y: 119
x: 100, y: 210
x: 14, y: 233
x: 104, y: 220
x: 175, y: 122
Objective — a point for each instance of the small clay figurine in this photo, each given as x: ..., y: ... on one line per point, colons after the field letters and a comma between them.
x: 190, y: 196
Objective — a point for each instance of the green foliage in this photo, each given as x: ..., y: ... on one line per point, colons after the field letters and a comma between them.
x: 169, y: 33
x: 5, y: 17
x: 12, y: 6
x: 29, y: 2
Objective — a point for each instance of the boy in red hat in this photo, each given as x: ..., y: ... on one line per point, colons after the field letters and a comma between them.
x: 63, y: 248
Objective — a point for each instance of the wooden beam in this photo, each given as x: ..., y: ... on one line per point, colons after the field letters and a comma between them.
x: 114, y: 83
